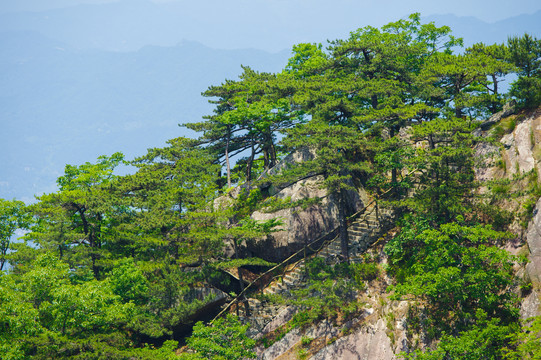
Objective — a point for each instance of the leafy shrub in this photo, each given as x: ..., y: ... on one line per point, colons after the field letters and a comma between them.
x: 365, y: 272
x: 225, y: 339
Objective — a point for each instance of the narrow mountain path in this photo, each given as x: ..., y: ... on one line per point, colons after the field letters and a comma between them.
x: 363, y: 232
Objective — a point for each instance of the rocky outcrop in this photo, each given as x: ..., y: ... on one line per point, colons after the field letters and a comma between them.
x: 519, y: 154
x: 508, y: 109
x: 370, y: 342
x: 301, y: 226
x: 377, y: 331
x: 371, y: 335
x: 533, y: 238
x: 366, y: 342
x: 518, y: 146
x: 520, y: 151
x: 531, y: 304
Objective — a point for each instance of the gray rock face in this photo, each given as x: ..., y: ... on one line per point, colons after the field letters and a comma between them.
x: 531, y: 306
x: 283, y: 317
x: 369, y: 343
x: 286, y: 346
x: 518, y: 146
x: 533, y: 237
x: 301, y: 226
x: 507, y: 110
x: 485, y: 168
x: 520, y: 152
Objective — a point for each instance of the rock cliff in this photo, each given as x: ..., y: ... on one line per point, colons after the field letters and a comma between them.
x: 380, y: 330
x: 517, y: 156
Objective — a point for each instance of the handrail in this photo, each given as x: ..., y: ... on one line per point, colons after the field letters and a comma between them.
x: 236, y: 299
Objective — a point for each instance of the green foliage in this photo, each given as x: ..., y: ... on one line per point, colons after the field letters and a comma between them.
x: 225, y: 339
x: 365, y: 272
x: 171, y: 299
x: 330, y: 291
x: 76, y: 220
x: 306, y: 340
x: 13, y: 216
x: 128, y: 282
x: 525, y: 342
x: 486, y: 339
x: 455, y: 270
x: 169, y: 198
x: 525, y: 54
x: 527, y: 91
x: 44, y: 314
x: 461, y: 83
x: 249, y: 114
x: 444, y: 165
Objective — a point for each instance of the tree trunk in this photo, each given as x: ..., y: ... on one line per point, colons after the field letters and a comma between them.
x: 228, y: 167
x: 269, y: 152
x: 250, y: 162
x: 241, y: 282
x: 273, y: 155
x: 343, y: 226
x: 374, y: 100
x: 394, y: 170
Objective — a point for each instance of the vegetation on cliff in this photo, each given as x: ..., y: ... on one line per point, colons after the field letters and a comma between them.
x: 111, y: 265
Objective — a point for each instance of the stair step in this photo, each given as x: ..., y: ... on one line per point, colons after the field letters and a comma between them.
x: 293, y: 278
x: 357, y: 239
x: 359, y: 231
x: 288, y: 283
x: 365, y: 223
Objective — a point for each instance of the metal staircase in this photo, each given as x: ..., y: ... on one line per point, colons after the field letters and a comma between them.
x: 363, y: 232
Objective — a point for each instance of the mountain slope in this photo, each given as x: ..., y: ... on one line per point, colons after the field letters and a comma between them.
x: 59, y: 105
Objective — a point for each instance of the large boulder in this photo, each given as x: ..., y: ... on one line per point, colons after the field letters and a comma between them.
x: 521, y: 150
x: 303, y: 225
x: 370, y: 342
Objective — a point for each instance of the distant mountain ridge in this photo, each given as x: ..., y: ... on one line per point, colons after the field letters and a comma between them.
x: 128, y: 25
x: 82, y: 81
x: 474, y: 30
x: 60, y: 105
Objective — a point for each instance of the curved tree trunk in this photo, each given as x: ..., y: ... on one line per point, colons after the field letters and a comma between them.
x: 343, y: 226
x: 241, y: 281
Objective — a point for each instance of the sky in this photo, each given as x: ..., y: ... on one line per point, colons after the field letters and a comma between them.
x: 270, y: 25
x: 376, y: 10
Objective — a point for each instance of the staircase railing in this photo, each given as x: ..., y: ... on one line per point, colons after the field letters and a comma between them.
x: 324, y: 239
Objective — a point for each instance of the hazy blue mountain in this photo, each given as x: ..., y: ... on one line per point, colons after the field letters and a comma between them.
x: 82, y: 81
x: 474, y: 30
x: 59, y: 105
x: 128, y: 25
